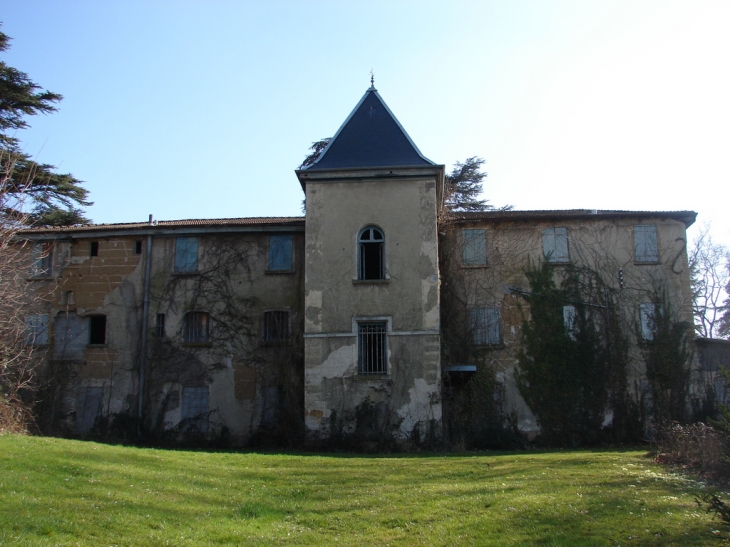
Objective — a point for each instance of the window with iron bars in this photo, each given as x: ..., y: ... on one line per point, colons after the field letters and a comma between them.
x: 276, y: 326
x: 371, y: 348
x: 195, y: 327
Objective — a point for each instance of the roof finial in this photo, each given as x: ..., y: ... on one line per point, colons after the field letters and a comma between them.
x: 372, y: 79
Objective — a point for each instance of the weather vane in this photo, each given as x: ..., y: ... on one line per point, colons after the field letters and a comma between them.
x: 372, y: 78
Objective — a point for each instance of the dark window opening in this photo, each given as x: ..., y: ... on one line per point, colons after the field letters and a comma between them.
x: 370, y: 256
x: 371, y: 345
x: 138, y: 247
x: 94, y: 249
x: 276, y: 326
x: 160, y: 325
x: 97, y: 329
x: 195, y: 329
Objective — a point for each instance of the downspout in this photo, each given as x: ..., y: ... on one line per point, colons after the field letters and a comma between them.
x: 145, y: 315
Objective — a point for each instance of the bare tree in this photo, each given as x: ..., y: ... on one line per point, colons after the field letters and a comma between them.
x: 16, y: 299
x: 709, y: 264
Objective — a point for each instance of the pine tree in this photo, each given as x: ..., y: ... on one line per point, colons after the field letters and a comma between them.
x: 52, y: 197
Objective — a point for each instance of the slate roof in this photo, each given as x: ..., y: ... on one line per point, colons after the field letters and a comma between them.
x: 370, y: 137
x: 688, y: 217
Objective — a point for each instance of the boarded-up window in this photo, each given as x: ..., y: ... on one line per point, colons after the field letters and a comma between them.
x: 485, y: 326
x: 88, y: 407
x: 196, y: 327
x: 280, y: 253
x: 645, y: 243
x: 276, y: 326
x: 370, y: 254
x: 36, y: 330
x: 97, y: 329
x: 569, y: 315
x: 555, y: 244
x: 371, y: 348
x: 41, y: 257
x: 195, y: 409
x: 186, y: 254
x: 70, y: 336
x: 647, y: 313
x: 475, y: 247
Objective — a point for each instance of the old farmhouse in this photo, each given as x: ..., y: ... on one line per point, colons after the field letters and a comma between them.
x: 378, y: 316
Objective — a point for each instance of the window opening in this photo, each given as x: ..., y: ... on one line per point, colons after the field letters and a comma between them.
x: 555, y: 244
x: 70, y: 336
x: 195, y: 408
x: 97, y: 329
x: 36, y: 330
x: 186, y: 254
x: 88, y: 407
x: 276, y: 326
x: 40, y: 259
x: 475, y: 247
x: 645, y: 243
x: 569, y: 320
x: 371, y: 342
x: 94, y: 251
x: 647, y: 313
x: 160, y: 325
x: 195, y: 328
x: 485, y: 326
x: 370, y: 255
x: 280, y: 253
x: 138, y: 247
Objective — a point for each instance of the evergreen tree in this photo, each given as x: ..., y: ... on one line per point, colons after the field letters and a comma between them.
x: 463, y: 186
x: 53, y: 198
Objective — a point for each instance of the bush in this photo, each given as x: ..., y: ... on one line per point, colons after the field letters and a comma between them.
x: 698, y: 446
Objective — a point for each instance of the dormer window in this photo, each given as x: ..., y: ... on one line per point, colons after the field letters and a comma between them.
x: 370, y: 254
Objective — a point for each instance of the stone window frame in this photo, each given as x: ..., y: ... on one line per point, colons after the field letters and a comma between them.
x: 367, y: 251
x: 380, y: 320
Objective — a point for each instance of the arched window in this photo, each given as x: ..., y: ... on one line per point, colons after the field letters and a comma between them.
x: 370, y: 254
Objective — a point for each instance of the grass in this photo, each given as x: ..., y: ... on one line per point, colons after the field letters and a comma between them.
x: 62, y: 492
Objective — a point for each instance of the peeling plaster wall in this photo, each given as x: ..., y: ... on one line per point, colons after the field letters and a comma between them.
x: 339, y: 401
x: 239, y: 371
x: 604, y: 245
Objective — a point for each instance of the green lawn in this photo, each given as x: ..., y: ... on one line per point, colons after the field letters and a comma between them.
x: 61, y: 492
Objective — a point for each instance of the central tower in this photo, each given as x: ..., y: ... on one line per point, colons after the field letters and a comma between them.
x: 372, y: 336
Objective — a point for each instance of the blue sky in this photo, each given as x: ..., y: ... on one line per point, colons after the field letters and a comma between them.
x: 204, y: 109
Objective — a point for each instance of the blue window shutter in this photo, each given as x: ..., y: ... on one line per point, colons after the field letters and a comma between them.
x: 555, y: 244
x: 645, y: 243
x: 280, y: 253
x: 485, y: 326
x: 186, y: 254
x: 475, y: 247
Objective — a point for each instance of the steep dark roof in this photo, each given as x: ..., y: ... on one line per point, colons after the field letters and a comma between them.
x: 370, y: 137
